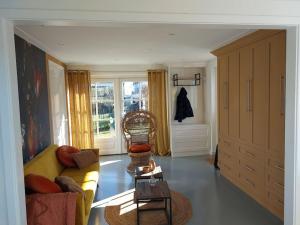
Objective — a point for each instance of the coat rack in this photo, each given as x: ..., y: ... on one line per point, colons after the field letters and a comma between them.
x: 196, y: 80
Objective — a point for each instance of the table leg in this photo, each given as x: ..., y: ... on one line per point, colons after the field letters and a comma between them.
x: 170, y: 205
x: 137, y: 213
x: 135, y: 182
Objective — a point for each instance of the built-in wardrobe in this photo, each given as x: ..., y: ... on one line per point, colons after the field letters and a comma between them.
x: 251, y: 114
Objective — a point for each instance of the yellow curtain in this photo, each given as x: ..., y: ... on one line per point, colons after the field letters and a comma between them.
x: 158, y: 106
x: 79, y: 105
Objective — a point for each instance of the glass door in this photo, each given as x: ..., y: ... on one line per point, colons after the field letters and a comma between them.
x: 111, y: 100
x: 134, y: 97
x: 104, y: 116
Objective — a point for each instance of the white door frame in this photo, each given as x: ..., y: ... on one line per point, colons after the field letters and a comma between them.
x: 10, y: 140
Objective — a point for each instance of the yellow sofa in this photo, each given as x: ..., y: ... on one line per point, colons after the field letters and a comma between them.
x: 46, y: 164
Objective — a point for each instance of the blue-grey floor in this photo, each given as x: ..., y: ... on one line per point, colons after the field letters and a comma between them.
x: 215, y: 200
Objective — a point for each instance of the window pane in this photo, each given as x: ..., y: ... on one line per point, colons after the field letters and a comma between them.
x: 135, y: 96
x: 103, y: 109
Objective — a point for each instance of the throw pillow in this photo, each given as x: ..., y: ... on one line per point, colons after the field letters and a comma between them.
x: 64, y: 155
x: 85, y: 158
x: 67, y: 184
x: 140, y: 148
x: 40, y: 184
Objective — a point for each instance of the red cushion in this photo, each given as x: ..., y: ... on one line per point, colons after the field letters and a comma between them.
x: 64, y: 155
x: 140, y: 148
x: 40, y: 184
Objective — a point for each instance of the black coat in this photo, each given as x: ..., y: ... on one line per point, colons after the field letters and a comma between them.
x: 183, y: 106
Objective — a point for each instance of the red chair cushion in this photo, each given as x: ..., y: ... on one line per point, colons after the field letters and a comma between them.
x: 40, y: 184
x: 64, y: 155
x: 140, y: 148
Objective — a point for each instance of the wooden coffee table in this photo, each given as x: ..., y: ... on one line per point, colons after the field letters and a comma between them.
x: 147, y: 193
x: 139, y: 175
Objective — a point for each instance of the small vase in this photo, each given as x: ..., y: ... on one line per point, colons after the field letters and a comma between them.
x: 152, y: 180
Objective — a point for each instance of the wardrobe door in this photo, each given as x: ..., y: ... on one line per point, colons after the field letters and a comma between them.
x: 245, y: 77
x: 277, y: 94
x: 275, y: 156
x: 233, y: 93
x: 223, y: 95
x: 259, y: 105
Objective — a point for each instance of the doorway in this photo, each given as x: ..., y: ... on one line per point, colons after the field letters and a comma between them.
x: 111, y: 99
x: 291, y: 108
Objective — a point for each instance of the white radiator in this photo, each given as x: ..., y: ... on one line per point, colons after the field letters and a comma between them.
x: 188, y: 140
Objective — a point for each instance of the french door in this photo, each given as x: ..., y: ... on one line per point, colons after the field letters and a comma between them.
x: 105, y: 116
x: 111, y: 99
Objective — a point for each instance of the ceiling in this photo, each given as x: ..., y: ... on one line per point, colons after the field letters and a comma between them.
x: 130, y: 44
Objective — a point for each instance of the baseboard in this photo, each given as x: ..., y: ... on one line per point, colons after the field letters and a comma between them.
x: 191, y: 153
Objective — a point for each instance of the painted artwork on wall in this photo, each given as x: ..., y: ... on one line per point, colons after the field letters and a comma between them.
x: 33, y: 98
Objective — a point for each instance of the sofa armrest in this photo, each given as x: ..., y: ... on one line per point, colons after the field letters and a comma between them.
x: 80, y: 210
x: 95, y: 150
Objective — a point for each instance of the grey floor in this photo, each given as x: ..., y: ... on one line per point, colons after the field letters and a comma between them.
x: 215, y: 200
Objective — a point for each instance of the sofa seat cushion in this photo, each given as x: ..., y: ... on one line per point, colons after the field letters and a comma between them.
x: 90, y: 173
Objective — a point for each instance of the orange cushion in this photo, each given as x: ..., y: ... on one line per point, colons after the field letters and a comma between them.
x: 140, y: 148
x: 40, y: 184
x: 64, y: 155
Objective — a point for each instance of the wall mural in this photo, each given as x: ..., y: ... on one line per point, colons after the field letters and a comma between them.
x: 33, y: 98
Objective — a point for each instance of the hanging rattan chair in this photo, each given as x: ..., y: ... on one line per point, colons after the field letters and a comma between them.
x: 139, y: 130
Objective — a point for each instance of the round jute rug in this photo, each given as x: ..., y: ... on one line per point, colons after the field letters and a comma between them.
x: 122, y: 211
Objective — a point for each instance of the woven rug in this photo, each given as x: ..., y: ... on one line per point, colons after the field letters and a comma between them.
x: 122, y: 211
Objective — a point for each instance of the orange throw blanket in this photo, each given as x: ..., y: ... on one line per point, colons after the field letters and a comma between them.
x: 51, y: 209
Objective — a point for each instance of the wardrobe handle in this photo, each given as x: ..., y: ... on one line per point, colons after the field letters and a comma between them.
x: 250, y: 154
x: 226, y: 100
x: 280, y: 201
x: 279, y: 167
x: 282, y: 91
x: 250, y: 182
x: 227, y: 167
x: 227, y: 155
x: 224, y: 95
x: 249, y: 168
x: 279, y: 184
x: 248, y: 95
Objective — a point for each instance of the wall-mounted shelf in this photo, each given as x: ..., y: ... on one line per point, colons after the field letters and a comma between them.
x: 196, y: 81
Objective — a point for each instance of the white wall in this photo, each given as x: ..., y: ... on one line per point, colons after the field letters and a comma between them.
x: 292, y: 124
x: 12, y: 192
x: 211, y: 100
x: 195, y: 94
